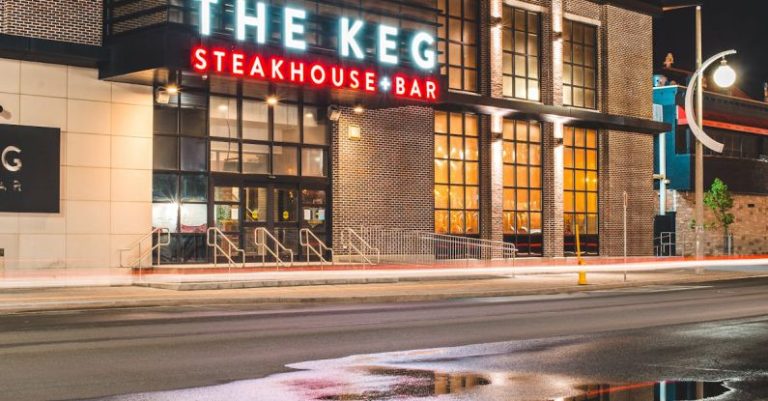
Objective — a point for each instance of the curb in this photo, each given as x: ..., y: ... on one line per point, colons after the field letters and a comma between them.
x: 239, y: 284
x: 292, y: 301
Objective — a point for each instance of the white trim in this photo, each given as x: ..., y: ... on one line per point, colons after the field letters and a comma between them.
x: 525, y: 6
x: 585, y: 20
x: 463, y: 92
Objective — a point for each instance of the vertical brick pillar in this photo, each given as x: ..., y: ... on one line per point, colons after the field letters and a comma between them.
x: 552, y: 148
x: 556, y: 74
x: 496, y: 59
x: 491, y: 185
x: 626, y: 159
x: 552, y: 201
x: 491, y: 159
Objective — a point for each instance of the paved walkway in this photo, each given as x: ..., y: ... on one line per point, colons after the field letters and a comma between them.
x: 435, y: 288
x: 338, y: 275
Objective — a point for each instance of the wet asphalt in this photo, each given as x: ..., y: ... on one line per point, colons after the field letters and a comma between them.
x: 538, y: 348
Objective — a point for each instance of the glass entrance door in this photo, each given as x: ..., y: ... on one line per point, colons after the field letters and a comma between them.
x: 274, y: 208
x: 282, y: 209
x: 314, y: 216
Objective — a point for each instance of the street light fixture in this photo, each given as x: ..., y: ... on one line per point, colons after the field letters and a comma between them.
x: 725, y: 76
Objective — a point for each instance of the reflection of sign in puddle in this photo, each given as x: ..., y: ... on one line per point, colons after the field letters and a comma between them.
x: 478, y: 373
x: 660, y: 391
x: 424, y: 384
x: 413, y: 384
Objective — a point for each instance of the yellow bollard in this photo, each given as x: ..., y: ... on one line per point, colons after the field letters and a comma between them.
x: 582, y: 278
x: 582, y: 274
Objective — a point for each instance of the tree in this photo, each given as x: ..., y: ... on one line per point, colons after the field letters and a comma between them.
x: 720, y: 201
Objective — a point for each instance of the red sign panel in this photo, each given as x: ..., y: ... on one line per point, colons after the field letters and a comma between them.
x: 280, y: 69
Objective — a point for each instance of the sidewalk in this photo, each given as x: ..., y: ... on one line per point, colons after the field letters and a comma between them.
x: 207, y: 277
x: 409, y: 287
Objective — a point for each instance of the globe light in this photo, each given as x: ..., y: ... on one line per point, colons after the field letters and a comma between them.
x: 724, y: 76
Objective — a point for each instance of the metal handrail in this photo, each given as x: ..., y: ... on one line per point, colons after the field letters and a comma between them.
x: 160, y: 232
x: 305, y: 235
x: 212, y: 238
x: 666, y: 242
x: 425, y: 247
x: 348, y: 236
x: 260, y: 237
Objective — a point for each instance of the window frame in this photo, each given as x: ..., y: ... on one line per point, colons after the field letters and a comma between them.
x: 445, y: 43
x: 510, y: 28
x: 569, y: 145
x: 450, y: 185
x: 523, y: 241
x: 569, y: 63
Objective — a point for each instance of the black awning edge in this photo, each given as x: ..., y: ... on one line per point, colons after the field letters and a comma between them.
x: 50, y: 51
x: 537, y: 111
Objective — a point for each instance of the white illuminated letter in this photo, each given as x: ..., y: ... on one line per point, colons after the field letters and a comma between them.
x: 347, y: 39
x: 205, y: 16
x: 427, y: 58
x: 259, y: 21
x: 386, y: 44
x: 12, y: 165
x: 291, y: 28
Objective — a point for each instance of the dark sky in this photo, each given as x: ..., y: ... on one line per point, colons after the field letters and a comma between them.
x: 728, y: 24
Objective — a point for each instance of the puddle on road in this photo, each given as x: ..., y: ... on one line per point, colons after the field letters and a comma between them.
x: 423, y: 384
x: 487, y: 372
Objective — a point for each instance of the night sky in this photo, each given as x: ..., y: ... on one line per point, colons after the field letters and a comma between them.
x: 728, y: 24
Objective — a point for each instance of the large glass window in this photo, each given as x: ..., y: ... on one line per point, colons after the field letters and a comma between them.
x: 458, y: 43
x: 521, y: 54
x: 580, y: 65
x: 252, y: 137
x: 580, y: 185
x: 457, y: 173
x: 178, y: 128
x: 180, y: 202
x: 522, y: 185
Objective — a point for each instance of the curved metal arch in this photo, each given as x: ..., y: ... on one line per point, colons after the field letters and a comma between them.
x: 698, y: 131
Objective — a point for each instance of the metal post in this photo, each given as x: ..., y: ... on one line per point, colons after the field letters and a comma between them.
x: 663, y: 174
x: 699, y: 157
x: 626, y: 201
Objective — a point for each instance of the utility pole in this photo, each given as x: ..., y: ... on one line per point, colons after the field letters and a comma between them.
x: 699, y: 157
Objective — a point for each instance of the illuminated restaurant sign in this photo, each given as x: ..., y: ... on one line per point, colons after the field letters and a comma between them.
x: 296, y: 70
x: 29, y: 169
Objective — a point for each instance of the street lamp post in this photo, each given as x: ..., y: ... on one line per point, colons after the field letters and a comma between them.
x: 724, y: 77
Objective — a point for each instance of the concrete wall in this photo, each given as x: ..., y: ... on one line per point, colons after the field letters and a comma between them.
x: 106, y: 171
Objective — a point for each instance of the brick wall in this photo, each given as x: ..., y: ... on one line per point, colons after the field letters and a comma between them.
x: 386, y: 178
x: 750, y: 228
x: 74, y: 21
x: 626, y: 159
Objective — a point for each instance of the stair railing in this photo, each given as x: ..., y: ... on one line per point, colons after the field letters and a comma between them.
x: 261, y: 238
x: 163, y: 239
x: 306, y: 238
x: 221, y: 244
x: 355, y: 245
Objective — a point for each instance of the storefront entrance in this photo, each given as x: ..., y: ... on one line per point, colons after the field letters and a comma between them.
x: 282, y: 209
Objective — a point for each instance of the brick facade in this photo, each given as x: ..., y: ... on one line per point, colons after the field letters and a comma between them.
x: 749, y: 229
x: 73, y: 21
x: 626, y: 159
x: 624, y: 52
x: 386, y: 177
